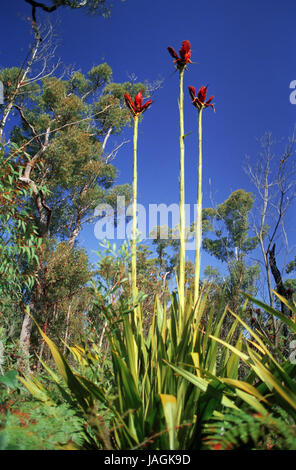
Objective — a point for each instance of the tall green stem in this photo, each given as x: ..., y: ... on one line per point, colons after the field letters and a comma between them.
x: 134, y: 231
x: 198, y: 228
x: 182, y: 200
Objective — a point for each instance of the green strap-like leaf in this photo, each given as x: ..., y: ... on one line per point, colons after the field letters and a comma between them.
x: 169, y: 405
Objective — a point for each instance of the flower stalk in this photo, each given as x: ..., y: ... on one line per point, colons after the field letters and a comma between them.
x: 200, y: 103
x: 198, y: 228
x: 134, y: 229
x: 181, y: 62
x: 136, y: 108
x: 181, y: 280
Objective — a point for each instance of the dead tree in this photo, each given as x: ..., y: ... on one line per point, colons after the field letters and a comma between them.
x: 286, y: 293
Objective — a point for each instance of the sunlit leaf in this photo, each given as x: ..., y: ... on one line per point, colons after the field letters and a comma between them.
x: 169, y: 405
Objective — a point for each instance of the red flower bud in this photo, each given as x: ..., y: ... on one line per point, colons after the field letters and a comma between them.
x: 192, y: 92
x: 185, y: 55
x: 129, y: 102
x: 199, y: 101
x: 202, y: 94
x: 136, y: 107
x: 146, y: 105
x: 185, y: 52
x: 138, y: 101
x: 173, y: 53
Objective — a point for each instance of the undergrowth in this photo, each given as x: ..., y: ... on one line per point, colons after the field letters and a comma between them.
x: 35, y: 426
x: 242, y: 430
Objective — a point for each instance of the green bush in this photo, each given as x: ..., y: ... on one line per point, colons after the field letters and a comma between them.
x: 32, y: 425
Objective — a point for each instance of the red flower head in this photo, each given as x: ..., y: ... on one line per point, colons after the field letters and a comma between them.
x: 199, y: 101
x: 136, y: 106
x: 185, y: 55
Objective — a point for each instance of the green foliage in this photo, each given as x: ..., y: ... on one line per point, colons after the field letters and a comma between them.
x: 31, y: 425
x: 231, y: 217
x: 34, y: 426
x: 164, y: 392
x: 19, y: 250
x: 8, y: 344
x: 66, y: 124
x: 56, y: 184
x: 238, y: 430
x: 19, y: 239
x: 64, y: 292
x: 291, y: 266
x: 113, y: 275
x: 9, y: 379
x: 148, y: 394
x: 226, y: 237
x: 142, y: 373
x: 10, y: 78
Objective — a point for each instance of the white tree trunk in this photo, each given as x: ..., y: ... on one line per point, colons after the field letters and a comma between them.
x: 25, y: 336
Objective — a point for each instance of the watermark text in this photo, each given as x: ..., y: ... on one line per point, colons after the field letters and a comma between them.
x: 116, y: 223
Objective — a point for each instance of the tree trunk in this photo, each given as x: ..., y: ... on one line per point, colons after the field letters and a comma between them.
x: 27, y: 325
x: 280, y: 288
x: 22, y: 78
x: 25, y: 336
x: 67, y: 326
x: 74, y: 235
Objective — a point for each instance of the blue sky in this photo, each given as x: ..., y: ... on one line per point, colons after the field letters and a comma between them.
x: 245, y: 51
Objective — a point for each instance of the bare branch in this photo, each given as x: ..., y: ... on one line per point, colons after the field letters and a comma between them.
x: 114, y: 152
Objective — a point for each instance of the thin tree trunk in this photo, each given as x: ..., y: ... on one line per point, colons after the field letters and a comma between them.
x: 18, y: 86
x: 40, y: 355
x: 42, y: 345
x: 75, y: 232
x: 102, y: 334
x: 25, y: 336
x: 280, y: 288
x: 26, y: 330
x: 67, y: 326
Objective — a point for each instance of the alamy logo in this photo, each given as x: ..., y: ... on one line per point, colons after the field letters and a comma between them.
x: 293, y: 94
x: 1, y: 93
x: 147, y: 221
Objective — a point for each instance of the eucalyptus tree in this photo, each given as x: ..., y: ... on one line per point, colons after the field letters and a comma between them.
x: 274, y: 178
x: 226, y: 236
x: 63, y: 127
x: 273, y: 175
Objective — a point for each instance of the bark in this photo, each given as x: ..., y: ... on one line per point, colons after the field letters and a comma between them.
x: 67, y: 326
x: 27, y: 325
x: 280, y: 288
x: 43, y: 209
x: 24, y: 363
x: 102, y: 334
x: 44, y: 221
x: 76, y: 231
x: 42, y: 343
x: 261, y: 231
x: 78, y: 222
